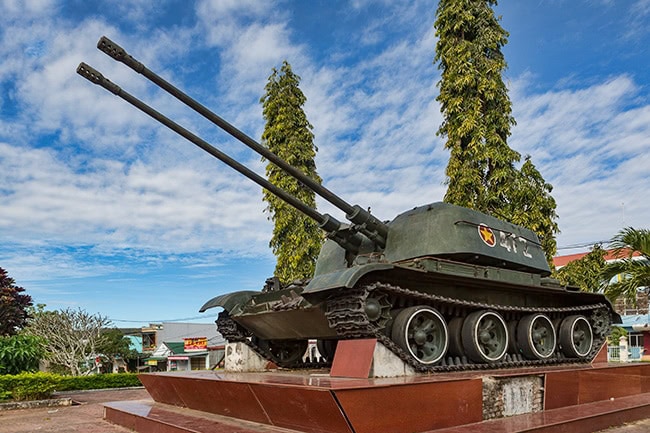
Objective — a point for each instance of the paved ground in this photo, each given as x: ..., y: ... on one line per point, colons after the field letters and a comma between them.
x: 642, y: 426
x: 87, y: 416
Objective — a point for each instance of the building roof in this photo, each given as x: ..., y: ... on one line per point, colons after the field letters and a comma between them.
x: 610, y: 256
x: 636, y: 322
x: 175, y: 347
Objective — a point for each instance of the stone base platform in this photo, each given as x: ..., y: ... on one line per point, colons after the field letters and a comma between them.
x: 581, y: 398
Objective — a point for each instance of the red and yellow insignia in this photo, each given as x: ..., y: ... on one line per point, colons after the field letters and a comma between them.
x: 487, y: 235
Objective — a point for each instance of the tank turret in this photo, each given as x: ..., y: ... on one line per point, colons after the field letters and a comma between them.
x: 443, y: 287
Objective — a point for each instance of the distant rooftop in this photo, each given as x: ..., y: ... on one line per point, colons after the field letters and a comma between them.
x: 560, y: 261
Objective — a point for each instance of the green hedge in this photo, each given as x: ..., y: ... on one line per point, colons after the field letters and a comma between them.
x: 98, y: 381
x: 38, y: 386
x: 28, y: 386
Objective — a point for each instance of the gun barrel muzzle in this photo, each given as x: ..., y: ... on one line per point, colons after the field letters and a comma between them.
x: 94, y: 76
x: 118, y: 53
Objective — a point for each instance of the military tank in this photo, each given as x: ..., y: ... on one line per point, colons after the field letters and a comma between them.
x: 443, y: 287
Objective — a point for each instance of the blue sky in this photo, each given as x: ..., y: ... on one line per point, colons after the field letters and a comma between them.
x: 103, y: 209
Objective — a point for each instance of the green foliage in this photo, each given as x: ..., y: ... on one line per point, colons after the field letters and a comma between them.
x: 114, y: 345
x: 531, y: 205
x: 296, y: 238
x: 477, y: 117
x: 29, y: 386
x: 585, y: 272
x: 20, y: 353
x: 475, y: 103
x: 98, y: 381
x: 614, y: 337
x: 634, y: 273
x: 14, y: 305
x: 37, y: 386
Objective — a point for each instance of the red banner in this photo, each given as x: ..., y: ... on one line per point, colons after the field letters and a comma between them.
x: 195, y: 344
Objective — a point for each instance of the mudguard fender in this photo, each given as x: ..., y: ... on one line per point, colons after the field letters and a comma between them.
x: 343, y: 278
x: 231, y: 302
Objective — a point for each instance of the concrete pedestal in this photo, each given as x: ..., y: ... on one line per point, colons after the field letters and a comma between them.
x: 241, y: 359
x: 386, y: 364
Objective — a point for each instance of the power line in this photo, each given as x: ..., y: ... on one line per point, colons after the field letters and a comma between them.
x: 203, y: 316
x: 583, y: 245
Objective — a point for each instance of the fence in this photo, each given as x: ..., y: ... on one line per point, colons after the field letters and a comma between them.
x: 614, y: 353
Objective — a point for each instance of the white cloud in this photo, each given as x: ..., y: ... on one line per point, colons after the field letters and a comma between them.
x: 112, y: 180
x: 12, y: 9
x: 592, y: 144
x: 110, y: 204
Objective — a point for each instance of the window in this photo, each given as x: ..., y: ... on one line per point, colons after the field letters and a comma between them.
x: 149, y: 341
x: 635, y: 340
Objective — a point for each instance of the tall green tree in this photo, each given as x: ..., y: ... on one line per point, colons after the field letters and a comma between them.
x: 477, y: 117
x: 14, y: 305
x: 475, y: 103
x: 632, y: 249
x: 296, y: 238
x: 530, y: 204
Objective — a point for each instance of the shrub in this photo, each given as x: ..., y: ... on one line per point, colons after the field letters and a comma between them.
x: 38, y: 386
x: 19, y: 353
x: 28, y: 386
x: 99, y: 381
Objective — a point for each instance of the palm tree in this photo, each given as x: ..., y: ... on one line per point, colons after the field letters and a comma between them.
x: 632, y: 249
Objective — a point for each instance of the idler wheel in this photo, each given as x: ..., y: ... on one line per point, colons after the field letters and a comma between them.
x: 485, y: 336
x: 536, y: 336
x: 377, y: 308
x: 576, y: 337
x: 422, y: 332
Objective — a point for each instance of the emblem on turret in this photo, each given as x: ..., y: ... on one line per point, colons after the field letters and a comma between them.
x: 487, y: 235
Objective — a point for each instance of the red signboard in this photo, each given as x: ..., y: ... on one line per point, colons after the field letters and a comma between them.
x: 196, y: 344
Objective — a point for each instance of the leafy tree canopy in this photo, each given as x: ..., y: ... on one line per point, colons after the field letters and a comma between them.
x: 70, y: 336
x: 20, y: 353
x: 614, y: 338
x: 477, y: 117
x: 14, y: 305
x: 115, y: 345
x: 296, y: 238
x: 632, y: 249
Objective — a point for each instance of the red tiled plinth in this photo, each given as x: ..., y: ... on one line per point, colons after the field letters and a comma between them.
x: 320, y: 404
x: 577, y: 398
x: 571, y: 387
x: 584, y: 418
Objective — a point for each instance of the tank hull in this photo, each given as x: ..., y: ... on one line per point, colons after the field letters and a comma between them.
x: 309, y: 321
x: 372, y: 301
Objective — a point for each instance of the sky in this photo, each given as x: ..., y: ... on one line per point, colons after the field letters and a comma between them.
x: 104, y: 209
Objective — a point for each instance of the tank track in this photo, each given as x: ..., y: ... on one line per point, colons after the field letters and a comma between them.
x: 346, y: 315
x: 231, y: 330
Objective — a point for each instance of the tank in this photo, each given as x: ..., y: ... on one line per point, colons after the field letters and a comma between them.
x: 443, y: 287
